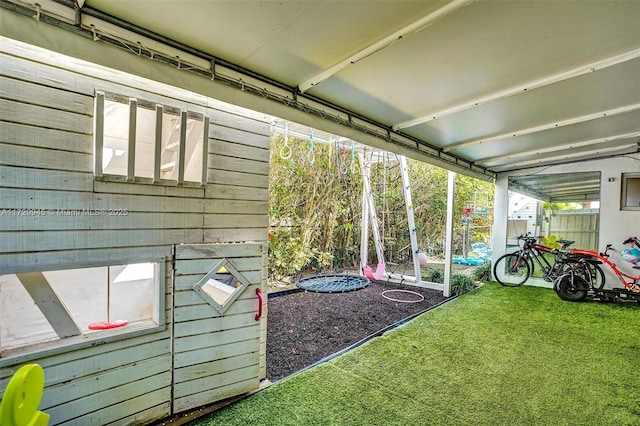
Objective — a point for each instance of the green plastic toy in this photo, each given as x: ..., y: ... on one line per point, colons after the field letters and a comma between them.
x: 19, y: 405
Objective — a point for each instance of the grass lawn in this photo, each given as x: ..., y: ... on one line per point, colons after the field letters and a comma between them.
x: 497, y: 356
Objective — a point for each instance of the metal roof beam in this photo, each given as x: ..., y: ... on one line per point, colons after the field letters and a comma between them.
x: 552, y: 189
x: 576, y: 198
x: 619, y: 150
x: 543, y: 127
x: 570, y: 186
x: 498, y: 159
x: 385, y: 42
x: 527, y: 190
x: 572, y: 192
x: 515, y: 90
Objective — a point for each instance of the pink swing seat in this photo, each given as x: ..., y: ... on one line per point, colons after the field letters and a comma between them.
x: 380, y: 269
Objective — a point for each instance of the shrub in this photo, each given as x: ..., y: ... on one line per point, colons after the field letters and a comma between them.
x: 288, y: 255
x: 461, y: 284
x: 483, y: 272
x: 435, y: 275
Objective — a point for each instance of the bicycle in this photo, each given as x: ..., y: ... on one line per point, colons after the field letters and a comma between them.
x: 575, y: 287
x: 514, y: 269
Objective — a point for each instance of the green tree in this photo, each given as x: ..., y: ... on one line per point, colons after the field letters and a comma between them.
x: 316, y: 208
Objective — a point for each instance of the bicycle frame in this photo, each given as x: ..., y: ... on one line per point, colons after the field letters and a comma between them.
x: 508, y: 268
x: 533, y: 250
x: 604, y: 258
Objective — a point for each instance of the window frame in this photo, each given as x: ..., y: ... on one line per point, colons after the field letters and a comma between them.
x: 60, y: 345
x: 221, y: 308
x: 624, y: 187
x: 130, y: 177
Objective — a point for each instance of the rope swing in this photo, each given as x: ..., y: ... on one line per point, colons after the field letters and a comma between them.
x: 311, y: 156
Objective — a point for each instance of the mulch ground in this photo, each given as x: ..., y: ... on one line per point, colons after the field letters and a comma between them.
x: 305, y: 327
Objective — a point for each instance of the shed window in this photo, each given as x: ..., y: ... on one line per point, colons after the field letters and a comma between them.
x: 74, y: 305
x: 221, y: 286
x: 149, y: 143
x: 145, y: 142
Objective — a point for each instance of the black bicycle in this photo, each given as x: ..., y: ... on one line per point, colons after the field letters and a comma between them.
x: 514, y: 269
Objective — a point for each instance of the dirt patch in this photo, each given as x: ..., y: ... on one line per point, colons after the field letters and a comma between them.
x: 305, y: 327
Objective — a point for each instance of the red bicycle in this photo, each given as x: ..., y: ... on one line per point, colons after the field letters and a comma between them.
x: 575, y: 287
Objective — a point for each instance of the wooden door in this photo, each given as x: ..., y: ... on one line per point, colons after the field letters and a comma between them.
x: 216, y: 338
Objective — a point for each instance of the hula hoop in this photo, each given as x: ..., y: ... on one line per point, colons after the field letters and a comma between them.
x: 421, y: 297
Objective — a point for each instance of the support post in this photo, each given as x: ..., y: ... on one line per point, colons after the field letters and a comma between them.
x: 366, y: 189
x: 183, y: 146
x: 364, y: 230
x: 205, y: 150
x: 157, y: 159
x: 98, y: 135
x: 131, y: 150
x: 413, y: 233
x: 467, y: 238
x: 451, y: 188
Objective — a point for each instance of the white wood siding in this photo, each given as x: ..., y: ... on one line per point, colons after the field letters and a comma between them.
x: 46, y: 165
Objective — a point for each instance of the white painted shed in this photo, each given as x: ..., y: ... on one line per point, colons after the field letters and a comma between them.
x: 93, y: 244
x: 508, y: 91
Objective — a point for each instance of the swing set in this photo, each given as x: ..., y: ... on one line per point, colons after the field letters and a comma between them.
x: 391, y: 186
x: 385, y: 243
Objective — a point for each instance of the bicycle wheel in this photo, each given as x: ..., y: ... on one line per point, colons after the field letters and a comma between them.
x: 512, y: 270
x: 591, y: 273
x: 597, y: 276
x: 572, y: 288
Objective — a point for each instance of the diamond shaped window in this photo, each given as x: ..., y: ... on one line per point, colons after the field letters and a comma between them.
x: 221, y: 285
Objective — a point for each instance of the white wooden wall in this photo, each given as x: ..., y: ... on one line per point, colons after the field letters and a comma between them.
x: 46, y: 164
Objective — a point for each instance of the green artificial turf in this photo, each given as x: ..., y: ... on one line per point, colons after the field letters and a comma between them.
x: 497, y: 356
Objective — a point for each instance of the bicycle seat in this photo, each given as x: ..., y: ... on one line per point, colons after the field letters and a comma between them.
x: 566, y: 243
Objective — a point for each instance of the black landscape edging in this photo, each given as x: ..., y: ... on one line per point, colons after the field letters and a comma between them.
x: 284, y: 292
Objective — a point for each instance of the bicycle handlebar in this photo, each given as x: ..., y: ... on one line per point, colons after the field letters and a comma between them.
x: 566, y: 243
x: 531, y: 239
x: 606, y: 249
